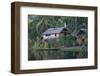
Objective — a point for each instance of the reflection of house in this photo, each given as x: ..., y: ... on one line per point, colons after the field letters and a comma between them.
x: 54, y: 32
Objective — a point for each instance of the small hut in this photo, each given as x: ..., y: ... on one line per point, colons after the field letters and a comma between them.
x: 54, y: 32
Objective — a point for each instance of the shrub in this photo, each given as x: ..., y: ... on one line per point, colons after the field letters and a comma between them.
x: 68, y: 40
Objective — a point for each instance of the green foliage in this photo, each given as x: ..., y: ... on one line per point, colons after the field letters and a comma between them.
x: 68, y: 41
x: 40, y: 44
x: 54, y: 43
x: 37, y: 24
x: 84, y: 51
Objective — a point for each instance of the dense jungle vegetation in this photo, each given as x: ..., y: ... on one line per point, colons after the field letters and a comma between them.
x: 39, y: 49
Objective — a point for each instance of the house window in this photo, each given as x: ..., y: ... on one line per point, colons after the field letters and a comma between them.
x: 47, y: 35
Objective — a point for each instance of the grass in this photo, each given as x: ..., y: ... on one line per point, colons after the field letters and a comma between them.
x: 74, y: 48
